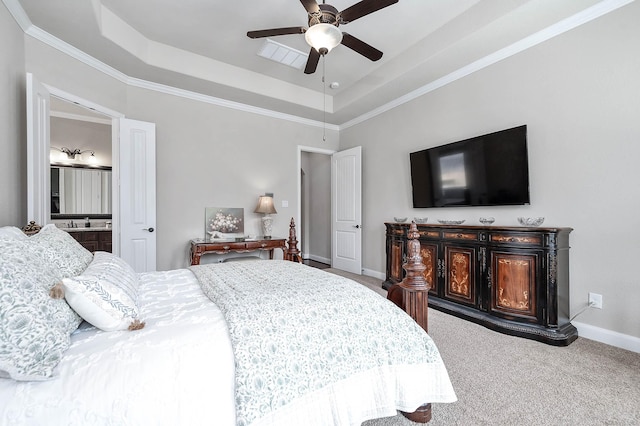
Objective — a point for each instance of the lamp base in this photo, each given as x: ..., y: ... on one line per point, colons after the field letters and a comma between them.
x: 266, y: 226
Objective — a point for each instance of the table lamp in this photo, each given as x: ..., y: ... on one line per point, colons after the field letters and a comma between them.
x: 265, y: 206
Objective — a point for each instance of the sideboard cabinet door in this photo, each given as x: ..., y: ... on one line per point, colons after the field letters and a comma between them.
x: 460, y: 274
x: 395, y: 246
x: 432, y: 273
x: 514, y: 291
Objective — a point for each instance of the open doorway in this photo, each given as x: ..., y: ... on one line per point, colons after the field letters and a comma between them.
x: 133, y: 150
x: 315, y: 205
x: 81, y: 164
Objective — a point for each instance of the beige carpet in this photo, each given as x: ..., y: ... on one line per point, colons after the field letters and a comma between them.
x: 506, y: 380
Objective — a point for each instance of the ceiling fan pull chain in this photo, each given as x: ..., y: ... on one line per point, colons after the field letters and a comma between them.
x: 324, y: 103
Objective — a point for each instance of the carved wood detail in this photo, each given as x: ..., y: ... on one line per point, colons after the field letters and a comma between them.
x: 460, y: 236
x: 459, y: 275
x: 515, y: 239
x: 515, y: 284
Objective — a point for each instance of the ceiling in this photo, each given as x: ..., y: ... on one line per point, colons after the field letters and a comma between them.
x: 200, y: 46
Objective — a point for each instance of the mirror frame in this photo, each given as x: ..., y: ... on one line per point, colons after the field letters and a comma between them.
x: 79, y: 215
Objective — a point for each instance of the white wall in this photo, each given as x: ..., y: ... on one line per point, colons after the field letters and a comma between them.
x: 579, y: 95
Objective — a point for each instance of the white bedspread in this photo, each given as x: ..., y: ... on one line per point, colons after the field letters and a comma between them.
x: 313, y: 348
x: 178, y: 370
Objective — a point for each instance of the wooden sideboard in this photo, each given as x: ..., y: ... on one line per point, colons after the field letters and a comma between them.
x: 511, y: 279
x: 236, y: 245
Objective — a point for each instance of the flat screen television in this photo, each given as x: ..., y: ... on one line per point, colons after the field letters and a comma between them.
x: 488, y: 170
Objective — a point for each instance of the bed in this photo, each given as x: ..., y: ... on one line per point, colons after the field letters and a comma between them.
x: 263, y: 342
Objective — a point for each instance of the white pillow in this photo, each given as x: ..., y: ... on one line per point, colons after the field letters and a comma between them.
x: 106, y: 294
x: 62, y: 250
x: 12, y: 233
x: 34, y: 328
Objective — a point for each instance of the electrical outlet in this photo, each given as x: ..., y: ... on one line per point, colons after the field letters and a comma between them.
x: 595, y: 300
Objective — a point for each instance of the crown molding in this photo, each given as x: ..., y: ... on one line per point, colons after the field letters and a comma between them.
x: 195, y: 96
x: 554, y: 30
x: 580, y: 18
x: 18, y: 13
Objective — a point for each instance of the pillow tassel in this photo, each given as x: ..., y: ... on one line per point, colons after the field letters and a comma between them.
x: 57, y: 291
x: 136, y: 324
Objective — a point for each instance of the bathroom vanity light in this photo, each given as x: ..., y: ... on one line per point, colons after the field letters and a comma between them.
x: 71, y: 154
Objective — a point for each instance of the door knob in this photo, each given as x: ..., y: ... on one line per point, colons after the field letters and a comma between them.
x: 356, y: 226
x: 149, y: 229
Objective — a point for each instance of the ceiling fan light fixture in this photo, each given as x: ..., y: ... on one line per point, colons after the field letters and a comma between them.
x: 323, y: 37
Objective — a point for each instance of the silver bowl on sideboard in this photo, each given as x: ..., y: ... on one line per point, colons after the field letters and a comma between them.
x: 451, y: 222
x: 400, y: 219
x: 531, y: 221
x: 487, y: 220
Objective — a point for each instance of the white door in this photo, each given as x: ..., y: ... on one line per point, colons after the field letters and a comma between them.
x: 38, y: 134
x: 138, y: 194
x: 346, y: 207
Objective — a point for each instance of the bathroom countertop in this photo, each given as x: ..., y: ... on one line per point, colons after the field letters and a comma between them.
x: 82, y: 228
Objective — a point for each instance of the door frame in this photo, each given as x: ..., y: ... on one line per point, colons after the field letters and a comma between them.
x: 301, y: 149
x: 115, y: 150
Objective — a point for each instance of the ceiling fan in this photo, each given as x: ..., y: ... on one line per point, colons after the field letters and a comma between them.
x: 323, y: 33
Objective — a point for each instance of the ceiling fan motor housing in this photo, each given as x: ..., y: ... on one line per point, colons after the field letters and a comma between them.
x: 327, y: 15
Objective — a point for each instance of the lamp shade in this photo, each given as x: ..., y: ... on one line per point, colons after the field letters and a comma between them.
x: 265, y: 205
x: 323, y: 37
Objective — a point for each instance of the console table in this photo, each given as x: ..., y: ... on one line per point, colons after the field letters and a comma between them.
x: 202, y: 246
x: 511, y: 279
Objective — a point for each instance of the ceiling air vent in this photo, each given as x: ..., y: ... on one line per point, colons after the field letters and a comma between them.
x: 283, y: 54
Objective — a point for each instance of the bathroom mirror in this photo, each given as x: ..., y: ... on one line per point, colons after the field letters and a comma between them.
x: 78, y: 192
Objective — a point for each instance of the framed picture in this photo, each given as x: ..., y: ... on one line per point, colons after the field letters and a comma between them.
x: 223, y: 222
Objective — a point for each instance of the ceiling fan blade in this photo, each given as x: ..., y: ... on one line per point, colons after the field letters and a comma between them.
x: 363, y: 8
x: 312, y: 62
x: 276, y: 32
x: 311, y: 6
x: 361, y: 47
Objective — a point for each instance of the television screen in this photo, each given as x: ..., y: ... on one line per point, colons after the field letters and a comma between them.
x: 488, y: 170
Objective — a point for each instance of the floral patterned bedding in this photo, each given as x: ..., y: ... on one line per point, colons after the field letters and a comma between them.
x: 315, y: 348
x: 177, y: 370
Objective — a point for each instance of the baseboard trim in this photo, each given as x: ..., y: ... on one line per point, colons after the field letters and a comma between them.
x: 318, y: 258
x: 602, y: 335
x: 375, y: 274
x: 613, y: 338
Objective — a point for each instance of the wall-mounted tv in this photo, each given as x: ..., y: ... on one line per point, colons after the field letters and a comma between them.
x: 488, y: 170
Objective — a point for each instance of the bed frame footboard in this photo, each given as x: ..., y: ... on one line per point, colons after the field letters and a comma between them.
x: 412, y: 296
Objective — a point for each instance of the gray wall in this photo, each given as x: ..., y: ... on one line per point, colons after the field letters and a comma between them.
x: 579, y: 95
x: 13, y: 165
x: 209, y: 156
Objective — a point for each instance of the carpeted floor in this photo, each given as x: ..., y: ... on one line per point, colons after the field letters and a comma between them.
x: 506, y: 380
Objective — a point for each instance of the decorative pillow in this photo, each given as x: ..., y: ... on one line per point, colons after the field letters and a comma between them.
x: 34, y: 328
x: 106, y: 294
x: 62, y: 250
x: 12, y: 233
